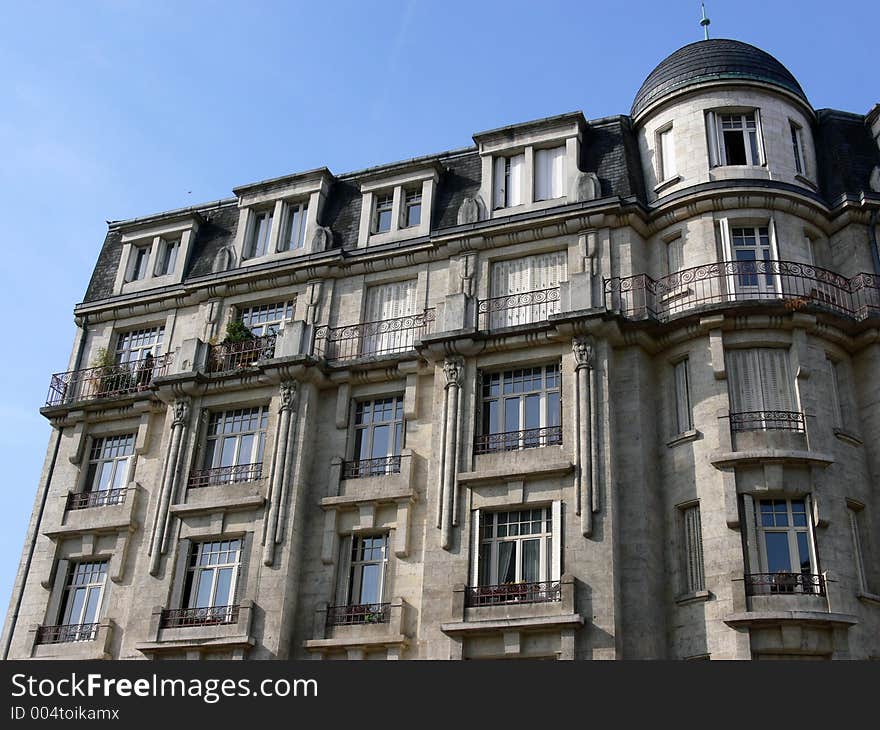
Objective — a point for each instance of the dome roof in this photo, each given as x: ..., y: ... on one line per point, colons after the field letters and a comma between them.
x: 713, y: 60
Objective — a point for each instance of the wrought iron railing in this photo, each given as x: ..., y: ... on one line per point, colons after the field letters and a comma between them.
x: 762, y: 584
x: 176, y: 618
x: 65, y: 633
x: 518, y: 309
x: 371, y: 467
x: 515, y: 440
x: 795, y: 285
x: 540, y: 592
x: 225, y: 475
x: 106, y: 381
x: 362, y: 613
x: 372, y: 338
x: 229, y: 356
x: 96, y: 498
x: 767, y: 421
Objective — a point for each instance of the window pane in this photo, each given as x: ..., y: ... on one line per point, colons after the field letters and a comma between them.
x: 735, y: 148
x: 246, y: 452
x: 533, y: 411
x: 778, y: 554
x: 227, y: 458
x: 370, y: 577
x: 76, y: 599
x: 511, y: 414
x: 223, y: 594
x: 804, y: 552
x: 203, y: 591
x: 531, y: 560
x: 380, y: 442
x: 506, y: 566
x: 90, y: 615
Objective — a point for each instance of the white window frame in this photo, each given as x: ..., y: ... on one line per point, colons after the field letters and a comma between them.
x: 548, y: 416
x: 550, y: 548
x: 508, y: 181
x: 715, y: 121
x: 521, y: 276
x: 855, y: 513
x: 351, y: 569
x: 791, y: 530
x: 140, y: 252
x: 764, y: 287
x: 117, y: 451
x: 412, y: 198
x: 133, y: 346
x: 667, y: 169
x: 751, y: 373
x: 90, y: 577
x: 168, y: 256
x: 797, y: 145
x: 295, y: 227
x: 214, y: 454
x: 383, y: 202
x: 550, y: 173
x: 268, y: 318
x: 837, y: 404
x: 196, y: 569
x: 396, y: 430
x: 384, y: 303
x: 254, y: 227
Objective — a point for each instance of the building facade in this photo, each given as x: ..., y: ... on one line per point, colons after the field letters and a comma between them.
x: 587, y: 389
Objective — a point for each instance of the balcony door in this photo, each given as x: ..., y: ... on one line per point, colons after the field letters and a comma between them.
x: 386, y: 327
x: 751, y: 253
x: 526, y: 290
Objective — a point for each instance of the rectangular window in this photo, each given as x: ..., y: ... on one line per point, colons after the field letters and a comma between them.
x: 266, y: 319
x: 785, y: 544
x: 108, y: 470
x: 753, y: 253
x: 366, y: 576
x: 140, y: 256
x: 168, y: 250
x: 675, y: 255
x: 666, y: 146
x: 136, y: 345
x: 550, y: 173
x: 234, y: 447
x: 734, y: 138
x: 83, y: 595
x: 520, y: 409
x: 378, y: 437
x: 260, y: 230
x: 386, y: 308
x: 294, y: 237
x: 508, y: 181
x: 524, y: 290
x: 797, y: 145
x: 382, y: 213
x: 515, y: 547
x: 692, y: 542
x: 854, y: 512
x: 412, y: 214
x: 761, y: 390
x: 683, y: 417
x: 212, y: 578
x: 838, y: 406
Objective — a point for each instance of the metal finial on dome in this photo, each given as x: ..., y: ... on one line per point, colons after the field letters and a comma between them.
x: 705, y: 22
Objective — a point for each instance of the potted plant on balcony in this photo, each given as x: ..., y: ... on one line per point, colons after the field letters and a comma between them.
x: 108, y: 378
x: 237, y: 335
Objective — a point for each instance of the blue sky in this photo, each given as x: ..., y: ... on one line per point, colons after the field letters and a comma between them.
x: 111, y: 110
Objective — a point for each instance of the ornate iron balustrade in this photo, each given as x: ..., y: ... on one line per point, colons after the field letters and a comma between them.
x: 372, y: 338
x: 371, y: 467
x: 235, y: 355
x: 795, y: 285
x: 225, y: 475
x: 96, y: 498
x: 362, y: 613
x: 106, y: 381
x: 65, y: 633
x: 518, y: 309
x: 762, y: 584
x: 515, y: 440
x: 541, y: 592
x: 176, y: 618
x: 767, y: 421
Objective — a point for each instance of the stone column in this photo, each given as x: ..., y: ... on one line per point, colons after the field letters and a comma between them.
x: 280, y: 471
x: 452, y: 369
x: 586, y: 503
x: 179, y: 424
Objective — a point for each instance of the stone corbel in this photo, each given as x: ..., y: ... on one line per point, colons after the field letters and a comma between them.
x: 78, y: 438
x: 411, y: 397
x: 366, y: 518
x: 282, y: 468
x: 716, y: 345
x: 116, y: 569
x: 142, y: 439
x: 402, y: 531
x: 330, y: 541
x: 314, y: 290
x: 343, y: 399
x: 453, y: 371
x: 799, y: 354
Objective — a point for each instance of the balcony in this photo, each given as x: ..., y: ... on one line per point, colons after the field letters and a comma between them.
x: 767, y: 421
x: 373, y: 339
x: 72, y: 641
x: 540, y: 592
x: 780, y: 583
x: 529, y: 438
x: 211, y: 616
x: 65, y: 633
x: 98, y: 498
x: 371, y: 467
x: 795, y: 285
x: 231, y: 356
x: 518, y: 309
x: 225, y: 475
x: 362, y: 613
x: 106, y: 381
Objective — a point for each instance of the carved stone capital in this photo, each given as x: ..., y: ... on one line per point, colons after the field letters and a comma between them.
x: 288, y: 395
x: 453, y: 369
x: 181, y: 408
x: 582, y: 347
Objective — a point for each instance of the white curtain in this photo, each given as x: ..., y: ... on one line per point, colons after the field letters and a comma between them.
x: 550, y: 173
x: 384, y: 303
x: 508, y: 192
x: 667, y: 152
x: 521, y: 276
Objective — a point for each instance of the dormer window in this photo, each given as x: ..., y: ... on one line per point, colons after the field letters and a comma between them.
x: 168, y: 250
x: 735, y: 138
x: 412, y: 214
x: 508, y: 181
x: 295, y: 228
x: 258, y: 236
x: 383, y: 212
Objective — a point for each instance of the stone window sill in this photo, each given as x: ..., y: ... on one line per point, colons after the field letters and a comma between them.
x: 848, y: 437
x: 868, y: 597
x: 806, y: 181
x: 664, y: 184
x: 686, y: 599
x: 683, y: 438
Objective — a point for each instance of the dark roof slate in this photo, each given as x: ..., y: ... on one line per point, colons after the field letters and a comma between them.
x: 846, y: 153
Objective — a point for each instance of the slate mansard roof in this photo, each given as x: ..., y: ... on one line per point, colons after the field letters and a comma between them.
x: 718, y: 59
x: 846, y: 154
